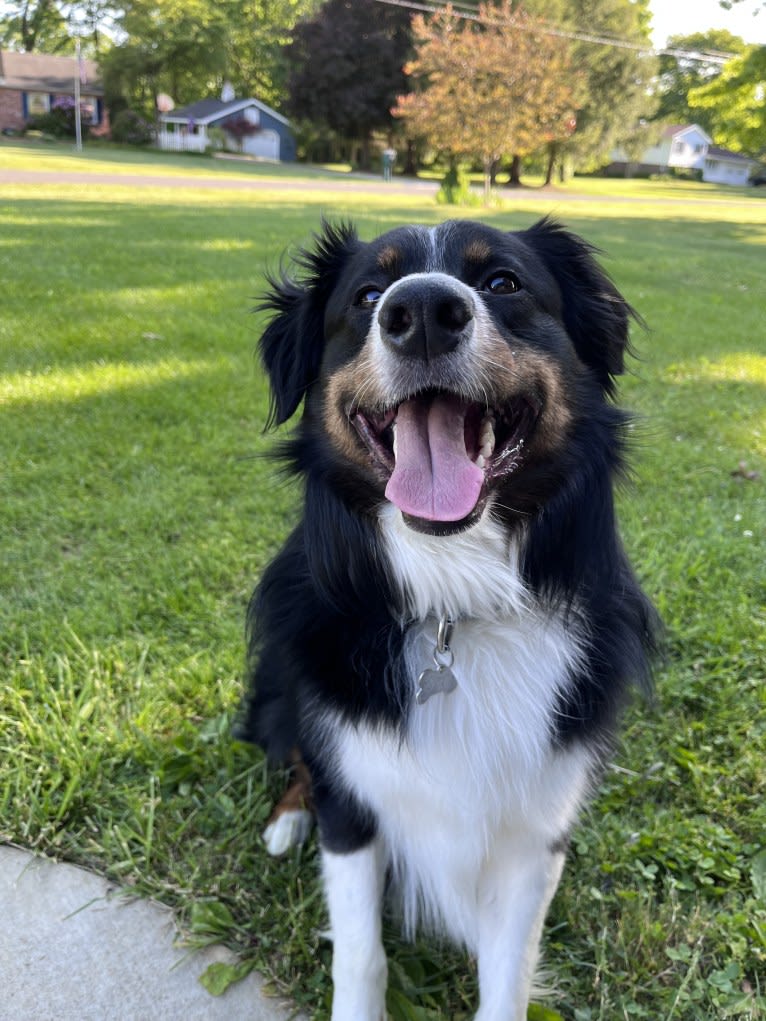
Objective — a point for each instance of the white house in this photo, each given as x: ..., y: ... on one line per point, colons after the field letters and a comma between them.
x: 186, y: 129
x: 688, y: 147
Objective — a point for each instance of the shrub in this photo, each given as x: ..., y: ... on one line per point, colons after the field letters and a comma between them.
x: 60, y: 120
x: 130, y: 128
x: 216, y: 139
x: 456, y: 189
x: 241, y: 128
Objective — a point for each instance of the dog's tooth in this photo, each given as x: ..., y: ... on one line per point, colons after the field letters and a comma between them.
x: 480, y: 462
x: 393, y: 435
x: 487, y: 438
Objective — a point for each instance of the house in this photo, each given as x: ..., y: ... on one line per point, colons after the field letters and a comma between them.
x: 687, y: 147
x: 31, y: 83
x: 187, y: 129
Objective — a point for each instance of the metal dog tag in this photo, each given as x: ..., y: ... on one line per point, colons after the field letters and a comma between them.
x: 434, y: 682
x: 439, y: 679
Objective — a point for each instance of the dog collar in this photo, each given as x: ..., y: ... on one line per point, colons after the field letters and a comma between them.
x: 439, y: 679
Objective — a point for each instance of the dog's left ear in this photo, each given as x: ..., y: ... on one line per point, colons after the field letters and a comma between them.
x: 596, y: 316
x: 292, y: 344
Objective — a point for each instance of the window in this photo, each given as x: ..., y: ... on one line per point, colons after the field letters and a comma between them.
x: 38, y: 103
x: 89, y: 110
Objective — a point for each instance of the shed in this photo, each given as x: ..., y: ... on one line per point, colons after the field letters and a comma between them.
x: 186, y: 129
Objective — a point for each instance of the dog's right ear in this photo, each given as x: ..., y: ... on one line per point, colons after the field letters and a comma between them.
x: 292, y: 344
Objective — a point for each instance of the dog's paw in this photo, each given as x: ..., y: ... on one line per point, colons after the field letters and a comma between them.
x: 289, y: 829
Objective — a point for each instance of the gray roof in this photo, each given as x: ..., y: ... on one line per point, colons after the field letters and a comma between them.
x: 41, y: 72
x: 207, y: 111
x: 202, y: 109
x: 716, y: 152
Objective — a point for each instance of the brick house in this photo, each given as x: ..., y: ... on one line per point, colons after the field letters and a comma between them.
x: 30, y: 84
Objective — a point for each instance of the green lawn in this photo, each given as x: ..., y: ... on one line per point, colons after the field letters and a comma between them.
x: 136, y: 513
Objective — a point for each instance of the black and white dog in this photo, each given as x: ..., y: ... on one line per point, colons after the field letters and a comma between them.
x: 446, y: 638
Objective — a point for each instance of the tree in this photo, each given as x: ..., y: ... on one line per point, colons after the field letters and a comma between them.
x: 35, y: 25
x: 617, y: 78
x: 257, y: 36
x: 47, y: 26
x: 346, y: 69
x: 173, y: 46
x: 188, y: 48
x: 679, y: 75
x: 489, y: 88
x: 734, y: 102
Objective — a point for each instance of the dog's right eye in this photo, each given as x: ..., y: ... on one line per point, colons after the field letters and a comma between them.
x: 368, y: 297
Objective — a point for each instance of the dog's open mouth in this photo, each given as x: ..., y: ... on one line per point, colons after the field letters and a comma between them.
x: 441, y: 455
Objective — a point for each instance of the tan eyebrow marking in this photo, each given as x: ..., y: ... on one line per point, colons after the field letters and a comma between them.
x: 477, y: 251
x: 389, y: 259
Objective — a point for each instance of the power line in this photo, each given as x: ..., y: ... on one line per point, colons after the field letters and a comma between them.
x: 706, y: 56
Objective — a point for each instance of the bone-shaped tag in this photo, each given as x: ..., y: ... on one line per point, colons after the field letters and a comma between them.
x: 434, y: 682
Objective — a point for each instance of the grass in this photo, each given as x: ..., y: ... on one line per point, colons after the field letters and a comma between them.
x: 137, y: 512
x: 108, y: 158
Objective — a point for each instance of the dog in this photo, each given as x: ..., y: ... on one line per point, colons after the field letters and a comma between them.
x: 442, y: 648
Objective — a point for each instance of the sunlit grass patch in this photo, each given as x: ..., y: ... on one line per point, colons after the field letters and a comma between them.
x: 740, y: 366
x: 75, y: 384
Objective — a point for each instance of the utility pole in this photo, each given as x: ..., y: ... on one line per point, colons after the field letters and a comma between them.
x: 77, y: 113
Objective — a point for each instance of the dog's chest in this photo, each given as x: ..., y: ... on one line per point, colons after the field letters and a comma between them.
x: 475, y: 775
x: 482, y: 748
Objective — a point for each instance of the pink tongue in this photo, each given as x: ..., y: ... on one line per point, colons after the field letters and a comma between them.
x: 434, y: 478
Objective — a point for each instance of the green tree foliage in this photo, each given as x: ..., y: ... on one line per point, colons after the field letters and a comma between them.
x: 679, y: 75
x: 258, y: 33
x: 35, y: 26
x: 617, y: 78
x: 188, y: 48
x: 346, y: 68
x: 47, y: 26
x: 172, y: 46
x: 734, y: 102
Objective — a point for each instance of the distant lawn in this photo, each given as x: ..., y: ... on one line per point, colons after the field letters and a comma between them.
x: 137, y: 512
x: 105, y: 157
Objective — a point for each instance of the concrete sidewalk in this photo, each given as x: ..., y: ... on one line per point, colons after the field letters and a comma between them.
x: 73, y: 949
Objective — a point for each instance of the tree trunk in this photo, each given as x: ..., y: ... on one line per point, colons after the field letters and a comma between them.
x: 552, y: 154
x: 411, y: 159
x: 365, y: 157
x: 488, y: 165
x: 515, y: 172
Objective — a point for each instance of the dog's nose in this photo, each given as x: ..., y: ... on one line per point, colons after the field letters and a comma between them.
x: 423, y: 319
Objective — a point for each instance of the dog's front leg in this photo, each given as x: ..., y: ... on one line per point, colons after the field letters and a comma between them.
x: 515, y: 890
x: 354, y: 889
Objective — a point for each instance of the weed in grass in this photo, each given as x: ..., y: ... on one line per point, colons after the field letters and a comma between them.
x: 137, y: 510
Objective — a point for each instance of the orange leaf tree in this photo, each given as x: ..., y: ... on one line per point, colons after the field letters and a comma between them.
x: 489, y: 87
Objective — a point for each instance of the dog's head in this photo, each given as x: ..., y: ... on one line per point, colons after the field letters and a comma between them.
x: 444, y: 364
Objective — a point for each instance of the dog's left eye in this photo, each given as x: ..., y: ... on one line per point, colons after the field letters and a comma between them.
x: 368, y: 297
x: 504, y: 282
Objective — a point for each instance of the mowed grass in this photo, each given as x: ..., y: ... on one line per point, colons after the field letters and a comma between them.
x: 137, y: 511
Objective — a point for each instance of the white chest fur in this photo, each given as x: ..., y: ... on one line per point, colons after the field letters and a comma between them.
x: 476, y: 775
